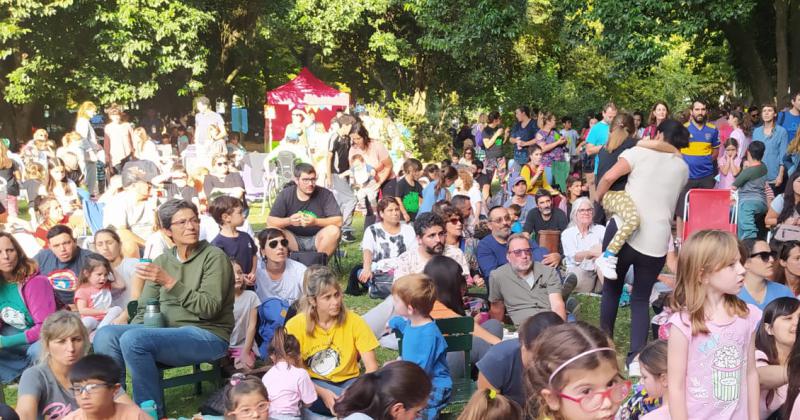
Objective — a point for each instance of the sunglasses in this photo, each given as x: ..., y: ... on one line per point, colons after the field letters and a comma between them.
x: 274, y: 243
x: 764, y: 255
x: 455, y: 220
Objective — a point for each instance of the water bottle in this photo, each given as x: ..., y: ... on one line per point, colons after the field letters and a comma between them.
x: 152, y: 314
x: 149, y: 407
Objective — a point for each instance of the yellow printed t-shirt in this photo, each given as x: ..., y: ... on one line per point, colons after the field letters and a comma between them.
x: 527, y: 173
x: 333, y: 355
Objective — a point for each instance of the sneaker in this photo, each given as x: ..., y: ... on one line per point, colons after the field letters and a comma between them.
x: 572, y: 305
x: 348, y: 237
x: 607, y: 266
x: 569, y: 285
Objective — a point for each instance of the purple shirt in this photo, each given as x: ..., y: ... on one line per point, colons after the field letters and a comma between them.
x: 556, y: 154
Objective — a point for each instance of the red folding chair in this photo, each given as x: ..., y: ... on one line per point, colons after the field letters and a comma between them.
x: 709, y: 209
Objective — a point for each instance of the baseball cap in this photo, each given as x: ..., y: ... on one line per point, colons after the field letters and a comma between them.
x: 515, y: 180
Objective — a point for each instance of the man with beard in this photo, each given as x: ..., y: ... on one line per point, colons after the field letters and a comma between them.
x: 700, y: 156
x: 493, y: 249
x: 544, y: 216
x: 523, y: 287
x: 307, y: 214
x: 429, y: 228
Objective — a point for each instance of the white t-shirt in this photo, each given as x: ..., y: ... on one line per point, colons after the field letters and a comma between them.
x: 655, y: 183
x: 155, y: 245
x: 125, y: 212
x: 124, y: 272
x: 385, y: 246
x: 289, y: 287
x: 247, y: 301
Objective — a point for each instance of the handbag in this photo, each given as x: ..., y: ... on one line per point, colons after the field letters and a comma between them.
x: 786, y: 232
x: 380, y: 285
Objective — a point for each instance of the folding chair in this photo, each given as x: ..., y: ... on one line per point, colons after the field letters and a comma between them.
x: 457, y: 334
x: 709, y: 209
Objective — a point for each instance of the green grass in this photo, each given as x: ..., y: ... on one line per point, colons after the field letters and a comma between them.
x: 181, y: 401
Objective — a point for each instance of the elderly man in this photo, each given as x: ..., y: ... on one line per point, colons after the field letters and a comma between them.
x: 62, y: 263
x: 307, y: 214
x: 492, y: 248
x: 524, y: 287
x: 193, y: 283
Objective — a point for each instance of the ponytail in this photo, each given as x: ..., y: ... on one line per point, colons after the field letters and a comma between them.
x: 285, y: 347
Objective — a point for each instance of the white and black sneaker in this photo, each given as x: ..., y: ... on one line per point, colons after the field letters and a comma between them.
x: 348, y: 236
x: 607, y: 266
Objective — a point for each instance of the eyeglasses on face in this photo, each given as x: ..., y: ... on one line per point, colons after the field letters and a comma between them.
x: 261, y: 407
x: 308, y: 180
x: 519, y: 253
x: 585, y: 210
x: 185, y: 222
x: 593, y: 401
x: 455, y: 220
x: 274, y: 243
x: 89, y: 389
x: 501, y: 219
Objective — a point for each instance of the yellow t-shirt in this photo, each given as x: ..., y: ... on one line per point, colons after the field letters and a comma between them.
x: 541, y: 182
x: 333, y: 355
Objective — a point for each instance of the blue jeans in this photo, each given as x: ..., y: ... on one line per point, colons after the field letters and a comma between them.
x: 140, y: 348
x: 338, y: 388
x: 14, y: 360
x: 748, y: 211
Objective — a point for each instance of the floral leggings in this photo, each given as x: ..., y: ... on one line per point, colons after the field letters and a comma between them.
x: 622, y: 205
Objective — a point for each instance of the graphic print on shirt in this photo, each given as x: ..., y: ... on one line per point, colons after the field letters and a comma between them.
x: 63, y: 280
x: 721, y: 355
x: 727, y: 373
x: 385, y: 244
x: 13, y: 318
x: 324, y: 362
x: 56, y: 410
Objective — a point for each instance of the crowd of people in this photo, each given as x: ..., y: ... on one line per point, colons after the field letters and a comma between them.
x: 139, y: 247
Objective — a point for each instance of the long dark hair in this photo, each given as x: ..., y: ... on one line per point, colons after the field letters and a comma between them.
x: 782, y: 254
x: 764, y: 341
x: 361, y: 130
x: 449, y: 282
x: 25, y: 267
x: 375, y: 393
x: 789, y: 205
x: 792, y: 365
x: 285, y: 347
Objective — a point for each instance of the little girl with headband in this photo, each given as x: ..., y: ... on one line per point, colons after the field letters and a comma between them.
x: 574, y: 374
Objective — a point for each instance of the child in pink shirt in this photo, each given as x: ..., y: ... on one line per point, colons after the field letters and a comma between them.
x: 730, y: 164
x: 93, y: 297
x: 712, y: 370
x: 287, y: 382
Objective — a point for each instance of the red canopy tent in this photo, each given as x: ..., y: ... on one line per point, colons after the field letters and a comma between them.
x: 308, y: 93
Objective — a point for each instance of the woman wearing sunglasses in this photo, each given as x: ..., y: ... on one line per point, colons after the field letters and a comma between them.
x: 759, y: 263
x: 276, y: 274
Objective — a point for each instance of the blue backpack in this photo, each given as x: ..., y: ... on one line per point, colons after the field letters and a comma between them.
x: 271, y: 315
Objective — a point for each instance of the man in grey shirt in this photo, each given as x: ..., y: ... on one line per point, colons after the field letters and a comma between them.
x: 523, y: 287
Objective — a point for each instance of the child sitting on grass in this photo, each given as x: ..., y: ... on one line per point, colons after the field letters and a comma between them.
x: 95, y: 383
x: 423, y: 343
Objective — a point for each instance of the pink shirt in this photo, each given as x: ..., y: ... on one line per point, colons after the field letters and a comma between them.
x: 795, y: 414
x: 124, y: 412
x: 778, y: 395
x: 725, y: 181
x: 374, y: 155
x: 95, y: 298
x: 716, y: 369
x: 286, y: 387
x: 660, y: 413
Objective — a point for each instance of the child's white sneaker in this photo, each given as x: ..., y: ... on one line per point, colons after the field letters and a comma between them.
x: 607, y: 266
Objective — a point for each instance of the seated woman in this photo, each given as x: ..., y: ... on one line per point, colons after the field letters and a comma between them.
x: 583, y: 242
x: 332, y: 339
x: 450, y: 288
x: 399, y: 390
x: 108, y: 244
x: 57, y: 184
x: 783, y: 208
x: 383, y: 241
x: 788, y: 271
x: 49, y: 213
x: 45, y: 391
x: 193, y: 283
x: 277, y: 275
x: 26, y: 299
x: 759, y: 265
x: 774, y: 341
x: 455, y: 231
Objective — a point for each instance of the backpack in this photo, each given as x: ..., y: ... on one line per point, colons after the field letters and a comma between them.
x: 272, y: 313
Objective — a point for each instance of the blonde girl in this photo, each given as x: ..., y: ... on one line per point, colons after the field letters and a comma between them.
x: 572, y: 374
x: 143, y: 148
x: 487, y: 404
x: 35, y: 174
x: 712, y: 371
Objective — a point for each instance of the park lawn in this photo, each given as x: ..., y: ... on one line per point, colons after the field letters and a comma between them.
x: 181, y: 401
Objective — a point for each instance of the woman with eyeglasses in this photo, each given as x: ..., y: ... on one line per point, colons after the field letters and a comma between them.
x: 759, y: 265
x: 45, y: 391
x: 582, y: 242
x: 221, y: 181
x: 193, y: 285
x: 277, y: 275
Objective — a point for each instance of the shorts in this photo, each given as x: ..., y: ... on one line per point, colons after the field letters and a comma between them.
x: 306, y: 243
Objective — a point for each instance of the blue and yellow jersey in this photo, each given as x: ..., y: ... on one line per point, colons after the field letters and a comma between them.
x: 702, y: 142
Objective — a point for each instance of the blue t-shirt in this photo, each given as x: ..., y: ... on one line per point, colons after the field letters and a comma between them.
x: 63, y: 276
x: 790, y: 122
x: 241, y: 249
x: 774, y: 149
x: 425, y: 346
x: 526, y: 133
x: 502, y: 367
x: 698, y: 156
x: 428, y: 199
x: 598, y: 136
x: 774, y: 291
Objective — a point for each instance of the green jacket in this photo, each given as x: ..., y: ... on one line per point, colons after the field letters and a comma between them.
x: 203, y: 294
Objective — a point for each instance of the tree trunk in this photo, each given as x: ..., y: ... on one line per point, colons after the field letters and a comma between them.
x: 781, y: 52
x: 794, y: 46
x: 16, y: 122
x: 746, y: 57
